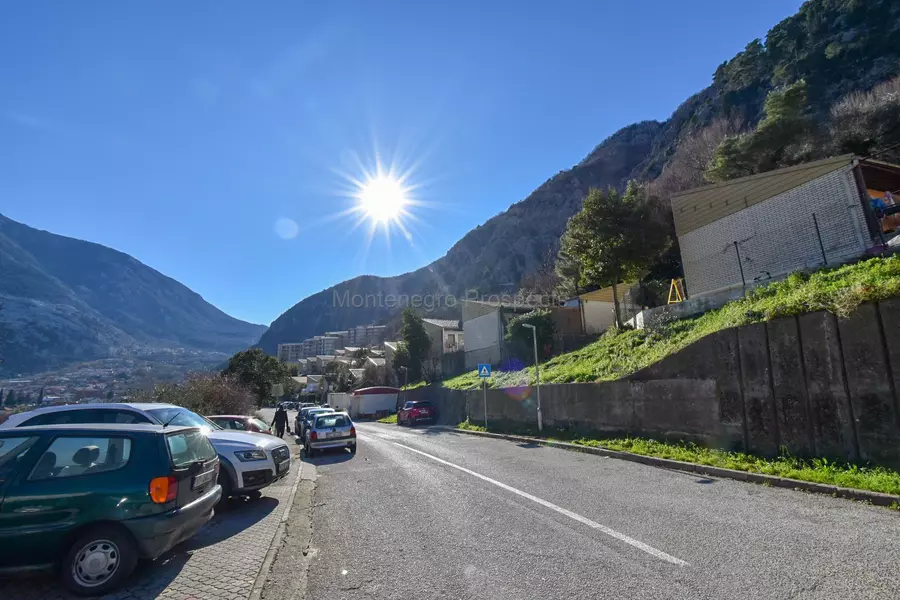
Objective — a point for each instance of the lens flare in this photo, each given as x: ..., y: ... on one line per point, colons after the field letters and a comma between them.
x: 382, y: 198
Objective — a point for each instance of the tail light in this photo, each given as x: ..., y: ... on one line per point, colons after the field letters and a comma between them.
x: 163, y: 489
x: 353, y: 431
x: 313, y: 436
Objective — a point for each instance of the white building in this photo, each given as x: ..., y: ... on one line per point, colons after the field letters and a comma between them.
x: 290, y: 352
x: 762, y: 227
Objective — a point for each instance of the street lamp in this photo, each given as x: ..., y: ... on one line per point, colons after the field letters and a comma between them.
x: 537, y: 373
x: 405, y: 381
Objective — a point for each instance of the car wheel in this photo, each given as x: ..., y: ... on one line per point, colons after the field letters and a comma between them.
x: 98, y: 561
x: 254, y: 495
x: 309, y: 451
x: 353, y: 449
x: 225, y: 482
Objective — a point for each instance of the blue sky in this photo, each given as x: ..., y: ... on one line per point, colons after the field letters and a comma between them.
x: 182, y: 132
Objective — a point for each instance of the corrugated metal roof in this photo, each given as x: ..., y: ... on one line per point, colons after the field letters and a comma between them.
x: 695, y: 208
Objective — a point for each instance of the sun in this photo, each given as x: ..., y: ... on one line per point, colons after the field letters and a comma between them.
x: 382, y: 198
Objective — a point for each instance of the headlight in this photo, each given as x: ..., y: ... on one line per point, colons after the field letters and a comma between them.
x: 248, y: 455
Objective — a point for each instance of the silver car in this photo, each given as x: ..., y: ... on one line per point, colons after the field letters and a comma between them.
x: 305, y: 416
x: 331, y: 430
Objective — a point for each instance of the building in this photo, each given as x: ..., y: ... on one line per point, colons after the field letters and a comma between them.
x: 315, y: 384
x: 446, y: 339
x: 342, y: 337
x: 322, y: 361
x: 367, y: 336
x: 288, y: 353
x: 484, y: 329
x: 379, y: 365
x: 762, y: 227
x: 597, y: 309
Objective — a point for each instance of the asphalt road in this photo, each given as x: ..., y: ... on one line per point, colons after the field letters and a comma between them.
x: 427, y: 513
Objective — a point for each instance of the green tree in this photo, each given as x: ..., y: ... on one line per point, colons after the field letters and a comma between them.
x: 400, y: 364
x: 615, y: 237
x: 293, y: 370
x: 11, y: 399
x: 259, y: 372
x: 338, y: 376
x: 521, y: 340
x: 568, y: 269
x: 416, y: 341
x: 783, y: 137
x: 360, y: 357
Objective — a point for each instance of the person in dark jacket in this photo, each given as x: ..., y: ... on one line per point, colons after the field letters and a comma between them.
x: 280, y: 421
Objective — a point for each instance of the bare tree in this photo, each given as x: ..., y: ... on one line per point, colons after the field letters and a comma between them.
x: 693, y: 155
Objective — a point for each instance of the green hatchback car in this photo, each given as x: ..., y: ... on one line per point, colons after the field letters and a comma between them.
x: 91, y: 500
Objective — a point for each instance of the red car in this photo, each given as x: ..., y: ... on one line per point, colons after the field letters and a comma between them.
x: 241, y: 423
x: 416, y: 412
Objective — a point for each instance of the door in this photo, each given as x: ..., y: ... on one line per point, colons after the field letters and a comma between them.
x: 18, y: 453
x: 75, y: 481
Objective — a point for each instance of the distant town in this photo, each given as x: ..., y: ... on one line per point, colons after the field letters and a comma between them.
x: 106, y: 380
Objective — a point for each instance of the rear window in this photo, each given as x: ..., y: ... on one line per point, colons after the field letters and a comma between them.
x: 331, y: 421
x: 189, y: 447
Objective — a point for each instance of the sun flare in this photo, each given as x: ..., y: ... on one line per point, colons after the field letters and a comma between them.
x: 382, y: 198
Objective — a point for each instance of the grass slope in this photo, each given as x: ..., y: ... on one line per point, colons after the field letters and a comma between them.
x: 620, y: 353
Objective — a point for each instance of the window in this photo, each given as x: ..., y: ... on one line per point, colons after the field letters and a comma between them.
x: 331, y: 421
x: 13, y: 447
x: 409, y: 405
x: 259, y: 424
x: 181, y: 417
x: 89, y: 415
x: 238, y: 424
x: 189, y: 447
x: 71, y: 456
x: 451, y: 339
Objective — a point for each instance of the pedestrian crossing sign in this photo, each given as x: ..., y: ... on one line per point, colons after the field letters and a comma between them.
x: 484, y: 370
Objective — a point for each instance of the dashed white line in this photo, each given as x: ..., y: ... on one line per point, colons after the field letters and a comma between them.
x: 575, y: 516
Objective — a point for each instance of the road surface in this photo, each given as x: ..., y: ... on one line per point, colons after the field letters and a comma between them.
x: 428, y: 513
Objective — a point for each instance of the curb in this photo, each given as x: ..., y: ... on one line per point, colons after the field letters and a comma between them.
x: 275, y: 545
x: 876, y: 498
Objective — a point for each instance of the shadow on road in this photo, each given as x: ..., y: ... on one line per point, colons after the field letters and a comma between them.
x: 333, y: 457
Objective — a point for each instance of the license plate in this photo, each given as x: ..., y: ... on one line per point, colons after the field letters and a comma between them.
x: 333, y: 434
x: 284, y: 466
x: 203, y: 479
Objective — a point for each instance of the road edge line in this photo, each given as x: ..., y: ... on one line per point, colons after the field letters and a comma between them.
x: 261, y: 577
x: 876, y: 498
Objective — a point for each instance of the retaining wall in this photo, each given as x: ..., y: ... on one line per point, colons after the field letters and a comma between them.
x: 814, y: 385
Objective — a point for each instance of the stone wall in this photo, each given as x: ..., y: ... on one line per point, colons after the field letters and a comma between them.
x: 814, y: 385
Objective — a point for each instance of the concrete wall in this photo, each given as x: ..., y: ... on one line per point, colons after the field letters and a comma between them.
x: 813, y: 385
x: 778, y: 236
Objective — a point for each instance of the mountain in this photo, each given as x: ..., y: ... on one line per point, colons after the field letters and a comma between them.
x: 836, y: 46
x: 67, y: 300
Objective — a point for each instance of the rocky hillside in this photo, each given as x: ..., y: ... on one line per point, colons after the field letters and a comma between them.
x: 67, y: 300
x: 837, y: 46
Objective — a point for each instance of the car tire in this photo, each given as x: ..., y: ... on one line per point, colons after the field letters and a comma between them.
x: 309, y: 451
x: 227, y: 486
x: 98, y: 561
x: 353, y: 449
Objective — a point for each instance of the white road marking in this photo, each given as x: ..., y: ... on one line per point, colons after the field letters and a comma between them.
x: 584, y: 520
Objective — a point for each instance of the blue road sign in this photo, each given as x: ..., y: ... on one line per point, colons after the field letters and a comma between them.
x: 484, y: 370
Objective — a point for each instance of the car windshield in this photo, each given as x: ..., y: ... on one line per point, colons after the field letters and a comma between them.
x: 181, y: 416
x: 256, y: 422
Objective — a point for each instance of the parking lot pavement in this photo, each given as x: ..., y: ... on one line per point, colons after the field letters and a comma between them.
x: 220, y: 562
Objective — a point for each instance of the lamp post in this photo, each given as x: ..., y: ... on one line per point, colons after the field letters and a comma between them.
x: 537, y: 373
x: 405, y: 381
